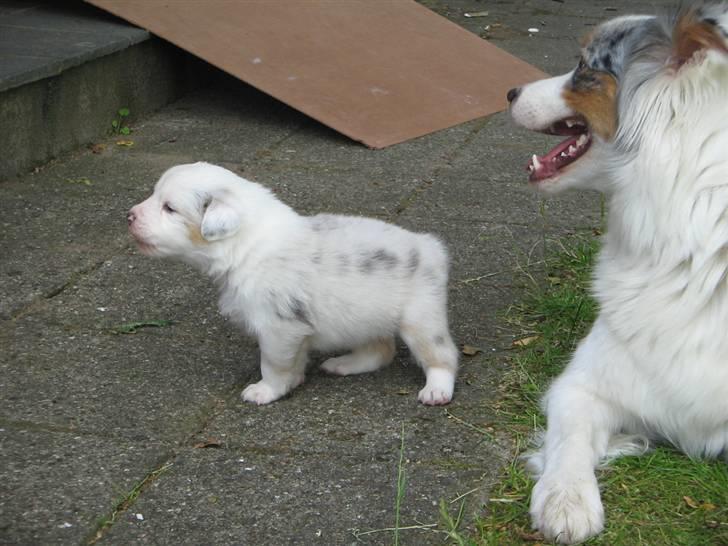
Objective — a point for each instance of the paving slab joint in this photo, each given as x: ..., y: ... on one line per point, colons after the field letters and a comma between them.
x: 57, y: 290
x: 127, y: 501
x: 448, y: 157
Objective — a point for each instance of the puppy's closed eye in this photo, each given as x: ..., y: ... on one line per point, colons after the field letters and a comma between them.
x: 168, y: 208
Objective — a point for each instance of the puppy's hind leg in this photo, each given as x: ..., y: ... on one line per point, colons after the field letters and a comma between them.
x: 367, y: 358
x: 438, y: 356
x: 425, y: 331
x: 282, y: 364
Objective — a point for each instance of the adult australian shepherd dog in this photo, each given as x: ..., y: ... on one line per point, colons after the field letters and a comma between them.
x: 646, y: 116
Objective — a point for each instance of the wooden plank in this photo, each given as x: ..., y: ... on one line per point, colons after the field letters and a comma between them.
x: 380, y: 72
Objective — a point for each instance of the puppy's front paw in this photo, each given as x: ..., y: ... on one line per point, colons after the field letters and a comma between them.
x: 434, y: 396
x: 567, y: 509
x: 260, y: 393
x: 439, y: 387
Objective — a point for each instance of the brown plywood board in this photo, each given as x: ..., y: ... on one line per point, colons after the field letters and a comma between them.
x: 378, y: 71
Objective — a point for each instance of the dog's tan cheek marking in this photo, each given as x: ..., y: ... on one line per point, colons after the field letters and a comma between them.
x: 195, y: 235
x: 598, y: 104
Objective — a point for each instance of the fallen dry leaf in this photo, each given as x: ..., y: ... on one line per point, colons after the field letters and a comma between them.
x: 535, y: 536
x: 97, y: 148
x: 469, y: 350
x: 127, y: 143
x: 525, y: 341
x: 690, y: 502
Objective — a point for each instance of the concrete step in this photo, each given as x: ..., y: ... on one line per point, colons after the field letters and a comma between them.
x: 67, y: 69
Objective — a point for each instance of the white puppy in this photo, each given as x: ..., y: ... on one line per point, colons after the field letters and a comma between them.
x: 646, y: 116
x: 298, y: 283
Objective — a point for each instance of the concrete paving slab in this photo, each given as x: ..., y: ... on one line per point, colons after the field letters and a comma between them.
x: 486, y: 180
x: 560, y: 24
x: 227, y: 123
x: 67, y: 218
x: 65, y: 365
x: 57, y: 484
x: 285, y: 496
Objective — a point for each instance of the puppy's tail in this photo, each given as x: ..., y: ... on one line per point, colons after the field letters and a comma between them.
x: 434, y: 252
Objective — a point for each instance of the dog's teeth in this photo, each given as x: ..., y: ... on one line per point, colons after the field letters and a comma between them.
x: 570, y: 123
x: 563, y: 154
x: 572, y: 150
x: 535, y: 162
x: 581, y: 140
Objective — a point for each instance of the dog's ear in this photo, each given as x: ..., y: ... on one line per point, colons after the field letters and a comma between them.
x: 220, y: 220
x: 694, y: 33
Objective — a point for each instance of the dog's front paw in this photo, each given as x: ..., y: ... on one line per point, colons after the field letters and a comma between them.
x: 260, y: 393
x: 567, y: 509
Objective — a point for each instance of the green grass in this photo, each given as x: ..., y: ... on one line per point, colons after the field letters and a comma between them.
x: 662, y: 498
x: 401, y: 486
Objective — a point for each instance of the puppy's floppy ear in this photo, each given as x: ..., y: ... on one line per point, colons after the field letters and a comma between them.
x: 220, y: 220
x: 693, y: 33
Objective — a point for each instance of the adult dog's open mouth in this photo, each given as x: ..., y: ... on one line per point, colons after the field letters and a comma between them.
x: 568, y: 151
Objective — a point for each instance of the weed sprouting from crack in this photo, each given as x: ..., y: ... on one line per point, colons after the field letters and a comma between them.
x: 401, y: 486
x: 126, y: 502
x: 452, y: 525
x: 469, y: 425
x: 133, y: 327
x: 118, y: 126
x: 399, y: 497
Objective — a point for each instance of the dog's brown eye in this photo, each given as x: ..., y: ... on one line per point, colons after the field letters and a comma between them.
x: 167, y: 208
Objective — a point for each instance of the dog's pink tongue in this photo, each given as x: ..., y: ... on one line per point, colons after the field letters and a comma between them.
x: 568, y: 151
x: 540, y: 168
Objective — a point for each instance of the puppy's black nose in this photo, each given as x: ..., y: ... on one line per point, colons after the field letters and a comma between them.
x: 130, y: 217
x: 513, y: 94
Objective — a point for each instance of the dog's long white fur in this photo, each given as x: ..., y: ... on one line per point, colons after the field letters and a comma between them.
x: 655, y: 363
x: 298, y: 283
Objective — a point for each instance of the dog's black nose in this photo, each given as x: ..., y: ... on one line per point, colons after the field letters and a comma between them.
x: 130, y: 217
x: 513, y: 94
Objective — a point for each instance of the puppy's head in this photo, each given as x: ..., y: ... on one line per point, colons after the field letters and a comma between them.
x: 629, y: 66
x: 193, y: 206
